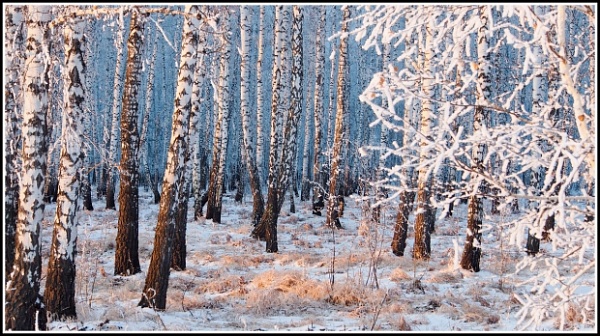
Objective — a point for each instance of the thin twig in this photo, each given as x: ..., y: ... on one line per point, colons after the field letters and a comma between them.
x: 379, y: 310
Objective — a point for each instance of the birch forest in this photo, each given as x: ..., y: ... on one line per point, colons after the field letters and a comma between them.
x: 386, y: 123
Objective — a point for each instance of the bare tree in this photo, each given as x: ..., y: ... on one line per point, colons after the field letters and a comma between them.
x: 116, y: 114
x: 154, y: 293
x: 59, y: 295
x: 24, y: 309
x: 14, y: 26
x: 318, y: 103
x: 126, y: 252
x: 333, y: 212
x: 215, y: 200
x: 247, y: 126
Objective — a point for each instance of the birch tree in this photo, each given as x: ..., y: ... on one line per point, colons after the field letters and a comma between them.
x: 24, y: 309
x: 154, y: 293
x: 260, y: 139
x: 318, y: 104
x: 333, y: 212
x: 281, y: 152
x: 116, y: 114
x: 247, y: 127
x: 215, y: 202
x: 14, y: 25
x: 59, y: 295
x: 472, y: 249
x: 144, y: 151
x: 126, y: 252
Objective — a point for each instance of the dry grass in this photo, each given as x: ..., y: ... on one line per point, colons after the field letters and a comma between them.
x: 292, y: 219
x: 477, y: 314
x: 219, y: 238
x: 398, y: 323
x: 221, y: 284
x: 445, y: 277
x: 349, y: 294
x: 272, y: 292
x: 398, y: 275
x: 291, y: 283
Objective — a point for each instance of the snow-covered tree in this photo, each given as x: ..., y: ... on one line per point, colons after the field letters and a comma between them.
x: 522, y: 139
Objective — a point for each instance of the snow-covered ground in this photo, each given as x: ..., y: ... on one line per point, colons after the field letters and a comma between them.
x: 321, y: 280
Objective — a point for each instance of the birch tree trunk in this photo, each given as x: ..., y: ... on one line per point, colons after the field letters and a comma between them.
x: 267, y: 226
x: 540, y: 88
x: 422, y: 245
x: 582, y: 120
x: 178, y: 262
x: 318, y: 103
x: 333, y: 211
x: 126, y: 252
x: 143, y: 147
x: 197, y: 127
x: 116, y: 112
x: 24, y: 309
x: 291, y: 129
x: 13, y: 110
x: 89, y: 109
x: 214, y: 210
x: 260, y: 139
x: 472, y: 250
x: 247, y: 127
x: 383, y: 142
x: 59, y: 295
x: 154, y: 293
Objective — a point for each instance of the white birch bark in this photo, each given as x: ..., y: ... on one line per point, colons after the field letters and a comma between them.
x: 154, y: 293
x: 116, y: 114
x: 59, y: 295
x: 23, y: 301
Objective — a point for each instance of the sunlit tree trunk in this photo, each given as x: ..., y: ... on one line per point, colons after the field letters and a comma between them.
x: 154, y: 293
x: 583, y: 121
x: 14, y: 26
x: 126, y: 252
x: 422, y: 245
x: 24, y: 309
x: 59, y: 294
x: 280, y: 102
x: 333, y: 212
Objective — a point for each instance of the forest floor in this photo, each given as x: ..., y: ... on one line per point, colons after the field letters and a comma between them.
x: 320, y: 280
